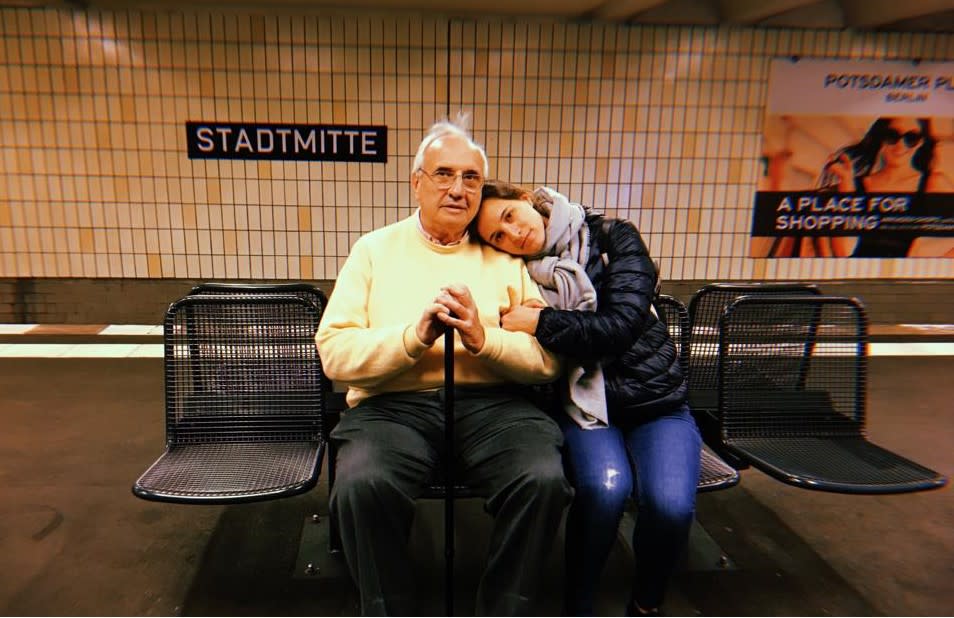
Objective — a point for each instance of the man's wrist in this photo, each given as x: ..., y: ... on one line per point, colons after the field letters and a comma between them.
x: 483, y: 342
x: 413, y: 344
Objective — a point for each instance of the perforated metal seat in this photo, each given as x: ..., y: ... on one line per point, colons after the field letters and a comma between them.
x: 792, y: 378
x: 244, y: 400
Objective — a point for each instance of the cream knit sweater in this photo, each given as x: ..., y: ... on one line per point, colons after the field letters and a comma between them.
x: 367, y: 338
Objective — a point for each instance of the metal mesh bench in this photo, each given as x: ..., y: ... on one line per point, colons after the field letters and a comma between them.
x: 244, y: 400
x: 792, y: 373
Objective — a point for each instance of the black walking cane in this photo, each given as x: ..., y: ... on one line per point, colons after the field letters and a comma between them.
x: 449, y: 470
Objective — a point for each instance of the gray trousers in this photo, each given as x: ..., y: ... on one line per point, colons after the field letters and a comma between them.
x: 505, y: 448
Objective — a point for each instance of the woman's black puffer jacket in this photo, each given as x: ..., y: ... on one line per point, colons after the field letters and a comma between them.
x: 640, y: 365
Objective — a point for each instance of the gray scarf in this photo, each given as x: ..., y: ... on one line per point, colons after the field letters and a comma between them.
x: 558, y: 269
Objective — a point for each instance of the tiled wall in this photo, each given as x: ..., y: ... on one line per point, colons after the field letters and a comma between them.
x: 658, y: 124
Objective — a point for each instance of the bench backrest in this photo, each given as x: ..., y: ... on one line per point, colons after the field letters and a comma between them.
x: 792, y: 365
x: 241, y: 368
x: 705, y: 309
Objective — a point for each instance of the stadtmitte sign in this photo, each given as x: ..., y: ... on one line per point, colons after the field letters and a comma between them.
x: 287, y: 142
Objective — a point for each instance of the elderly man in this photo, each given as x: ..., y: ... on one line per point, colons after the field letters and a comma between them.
x: 399, y: 289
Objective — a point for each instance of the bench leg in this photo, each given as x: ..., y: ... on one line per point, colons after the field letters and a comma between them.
x: 314, y: 558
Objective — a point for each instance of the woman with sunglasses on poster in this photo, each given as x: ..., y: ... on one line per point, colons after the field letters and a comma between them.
x: 896, y: 155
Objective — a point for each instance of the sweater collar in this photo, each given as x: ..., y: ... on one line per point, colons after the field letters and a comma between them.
x: 434, y: 241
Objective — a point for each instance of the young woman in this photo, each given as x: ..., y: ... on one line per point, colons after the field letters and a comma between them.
x: 626, y: 424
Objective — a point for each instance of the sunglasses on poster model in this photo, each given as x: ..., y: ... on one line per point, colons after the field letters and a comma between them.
x: 911, y: 138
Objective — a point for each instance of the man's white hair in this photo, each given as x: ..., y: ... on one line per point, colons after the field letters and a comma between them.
x: 444, y: 128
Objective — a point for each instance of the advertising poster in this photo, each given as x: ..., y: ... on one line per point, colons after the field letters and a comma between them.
x: 857, y: 161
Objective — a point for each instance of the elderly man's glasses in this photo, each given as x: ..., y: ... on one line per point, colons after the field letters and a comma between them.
x: 911, y: 138
x: 445, y: 179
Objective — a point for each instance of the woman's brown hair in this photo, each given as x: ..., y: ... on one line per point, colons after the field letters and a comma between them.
x: 506, y: 191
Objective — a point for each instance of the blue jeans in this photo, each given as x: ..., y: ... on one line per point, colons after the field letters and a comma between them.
x: 658, y: 459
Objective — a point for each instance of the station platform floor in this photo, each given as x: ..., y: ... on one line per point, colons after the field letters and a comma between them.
x: 82, y: 422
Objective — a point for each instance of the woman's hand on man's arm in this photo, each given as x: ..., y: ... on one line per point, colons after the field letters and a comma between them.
x: 523, y: 317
